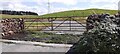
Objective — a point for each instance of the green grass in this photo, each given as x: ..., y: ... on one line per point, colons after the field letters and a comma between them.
x: 19, y: 16
x: 81, y: 13
x: 53, y: 38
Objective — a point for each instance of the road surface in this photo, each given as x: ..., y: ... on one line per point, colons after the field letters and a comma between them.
x: 76, y: 28
x: 30, y: 48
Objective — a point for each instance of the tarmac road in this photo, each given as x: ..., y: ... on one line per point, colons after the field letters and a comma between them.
x: 74, y: 30
x: 30, y: 48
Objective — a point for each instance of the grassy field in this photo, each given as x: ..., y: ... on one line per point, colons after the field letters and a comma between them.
x: 19, y: 16
x: 81, y: 13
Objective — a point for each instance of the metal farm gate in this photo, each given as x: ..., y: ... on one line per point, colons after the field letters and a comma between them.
x: 63, y: 25
x: 48, y: 29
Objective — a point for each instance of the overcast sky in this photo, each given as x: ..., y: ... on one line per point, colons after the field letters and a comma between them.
x: 41, y: 6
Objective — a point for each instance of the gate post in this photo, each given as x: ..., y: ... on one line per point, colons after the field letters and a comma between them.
x: 70, y: 19
x: 52, y: 24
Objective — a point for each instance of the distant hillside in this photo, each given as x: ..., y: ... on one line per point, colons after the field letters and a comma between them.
x: 9, y: 12
x: 82, y: 13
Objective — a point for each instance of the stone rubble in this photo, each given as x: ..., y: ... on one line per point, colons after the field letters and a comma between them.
x: 11, y: 26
